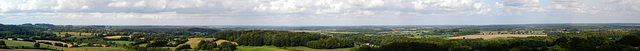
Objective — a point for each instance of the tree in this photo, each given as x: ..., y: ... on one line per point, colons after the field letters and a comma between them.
x: 36, y: 45
x: 158, y: 43
x: 412, y: 46
x: 206, y: 45
x: 2, y: 44
x: 186, y: 46
x: 250, y: 40
x: 561, y: 40
x: 227, y: 46
x: 330, y: 43
x: 632, y: 40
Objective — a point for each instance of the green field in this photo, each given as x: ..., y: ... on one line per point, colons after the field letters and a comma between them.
x: 260, y: 48
x: 18, y: 43
x: 302, y: 48
x: 25, y: 43
x: 143, y: 45
x: 122, y: 42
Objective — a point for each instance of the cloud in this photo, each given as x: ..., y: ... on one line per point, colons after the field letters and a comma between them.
x: 517, y: 7
x: 294, y: 12
x: 24, y: 5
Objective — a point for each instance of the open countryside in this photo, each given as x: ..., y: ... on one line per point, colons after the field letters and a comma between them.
x: 319, y: 25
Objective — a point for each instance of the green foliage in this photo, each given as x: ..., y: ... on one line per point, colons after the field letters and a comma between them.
x: 227, y: 46
x: 58, y: 44
x: 158, y: 43
x: 2, y: 44
x: 206, y: 45
x: 632, y: 40
x: 412, y: 46
x: 186, y: 46
x: 36, y: 45
x: 330, y: 43
x: 250, y: 40
x: 263, y: 37
x: 154, y: 49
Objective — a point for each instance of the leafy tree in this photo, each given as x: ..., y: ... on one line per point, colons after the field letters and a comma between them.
x: 632, y: 40
x: 206, y: 45
x: 2, y: 44
x: 186, y: 46
x: 330, y: 43
x: 227, y: 46
x: 561, y: 40
x: 250, y: 40
x: 158, y: 43
x: 413, y: 46
x: 36, y: 45
x: 579, y: 44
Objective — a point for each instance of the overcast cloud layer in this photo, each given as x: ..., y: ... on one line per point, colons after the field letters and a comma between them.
x: 317, y: 12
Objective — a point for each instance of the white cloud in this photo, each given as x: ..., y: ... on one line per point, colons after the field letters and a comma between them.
x: 291, y: 11
x: 24, y: 5
x: 518, y: 6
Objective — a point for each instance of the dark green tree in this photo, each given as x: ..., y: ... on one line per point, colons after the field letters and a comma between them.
x: 206, y: 45
x: 186, y: 46
x: 36, y: 45
x: 632, y: 40
x: 227, y: 46
x: 2, y: 44
x: 158, y: 43
x: 412, y: 46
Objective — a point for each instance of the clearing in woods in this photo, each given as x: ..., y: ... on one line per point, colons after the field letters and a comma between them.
x: 491, y: 36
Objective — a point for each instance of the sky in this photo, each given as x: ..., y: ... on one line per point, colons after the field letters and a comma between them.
x: 317, y: 12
